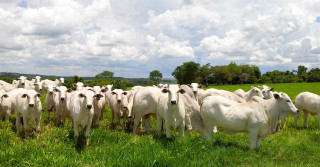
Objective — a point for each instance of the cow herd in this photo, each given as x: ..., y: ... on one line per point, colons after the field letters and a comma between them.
x: 190, y: 107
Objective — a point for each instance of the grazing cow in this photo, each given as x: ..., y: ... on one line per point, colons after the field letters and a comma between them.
x: 258, y: 117
x: 171, y: 109
x: 145, y: 104
x: 308, y: 103
x: 82, y: 110
x: 27, y: 103
x: 99, y: 104
x: 50, y: 101
x: 60, y: 103
x: 118, y: 105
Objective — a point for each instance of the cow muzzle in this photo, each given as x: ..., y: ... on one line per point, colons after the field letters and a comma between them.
x: 298, y: 111
x: 173, y: 102
x: 31, y: 105
x: 118, y: 100
x: 89, y: 106
x: 62, y: 98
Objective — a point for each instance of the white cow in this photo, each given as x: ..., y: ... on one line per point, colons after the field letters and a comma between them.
x: 22, y: 81
x: 7, y: 98
x: 6, y: 87
x: 27, y: 103
x: 118, y: 105
x: 189, y: 91
x: 192, y: 111
x: 99, y: 103
x: 171, y: 110
x: 58, y: 82
x: 145, y: 104
x: 79, y: 86
x: 258, y: 117
x: 224, y: 93
x: 50, y: 101
x: 195, y: 87
x: 254, y: 91
x: 308, y: 103
x: 60, y: 103
x: 82, y: 111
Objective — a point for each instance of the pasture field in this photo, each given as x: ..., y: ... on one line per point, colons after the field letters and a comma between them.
x: 113, y: 147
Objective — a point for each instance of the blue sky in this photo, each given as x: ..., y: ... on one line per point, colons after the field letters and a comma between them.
x: 133, y: 38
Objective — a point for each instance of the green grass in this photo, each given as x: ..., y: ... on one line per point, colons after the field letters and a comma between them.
x: 112, y: 147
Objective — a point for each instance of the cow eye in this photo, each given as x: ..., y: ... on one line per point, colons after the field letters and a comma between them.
x: 288, y: 101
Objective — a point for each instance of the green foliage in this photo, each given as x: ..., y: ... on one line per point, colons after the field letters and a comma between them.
x: 104, y: 75
x: 314, y: 75
x: 155, y: 76
x: 110, y: 146
x: 75, y: 79
x: 187, y: 72
x: 7, y: 79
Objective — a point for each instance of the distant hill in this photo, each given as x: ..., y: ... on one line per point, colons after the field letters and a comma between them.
x: 139, y: 81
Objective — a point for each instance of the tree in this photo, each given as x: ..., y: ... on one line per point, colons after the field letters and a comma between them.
x: 236, y: 72
x: 186, y: 73
x: 155, y: 76
x: 105, y: 75
x: 204, y: 74
x: 221, y: 74
x: 302, y: 73
x: 244, y: 77
x: 75, y: 79
x: 314, y: 75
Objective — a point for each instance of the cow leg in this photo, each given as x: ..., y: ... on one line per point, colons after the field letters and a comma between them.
x: 215, y: 129
x: 305, y: 117
x: 26, y: 127
x: 101, y: 115
x: 296, y: 116
x: 258, y: 143
x: 284, y: 123
x: 188, y: 122
x: 88, y: 132
x: 135, y: 124
x: 38, y: 127
x: 76, y: 132
x: 167, y: 129
x: 182, y: 126
x: 125, y: 120
x: 118, y: 115
x: 147, y: 124
x: 7, y: 115
x: 253, y: 135
x: 319, y: 119
x: 112, y: 117
x: 159, y: 123
x: 17, y: 121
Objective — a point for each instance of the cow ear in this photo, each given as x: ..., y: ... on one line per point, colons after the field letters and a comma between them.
x: 271, y: 89
x: 74, y: 85
x: 81, y: 95
x: 39, y: 95
x: 103, y: 90
x: 182, y: 91
x: 24, y: 96
x: 165, y: 91
x: 17, y: 78
x: 189, y: 85
x: 276, y: 96
x: 69, y: 90
x: 56, y: 89
x: 124, y: 93
x: 5, y: 96
x: 98, y: 96
x: 85, y: 85
x: 113, y: 93
x: 200, y: 86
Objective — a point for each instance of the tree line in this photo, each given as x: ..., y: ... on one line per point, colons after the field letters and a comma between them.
x: 232, y: 73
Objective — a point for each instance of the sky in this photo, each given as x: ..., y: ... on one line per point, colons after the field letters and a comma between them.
x: 134, y: 37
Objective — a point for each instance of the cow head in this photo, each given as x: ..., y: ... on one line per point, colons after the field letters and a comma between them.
x: 256, y: 92
x: 118, y: 94
x: 285, y: 104
x: 267, y: 93
x: 195, y: 87
x: 173, y: 93
x: 32, y: 97
x: 88, y: 96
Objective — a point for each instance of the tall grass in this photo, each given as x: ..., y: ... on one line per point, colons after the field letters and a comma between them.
x: 113, y: 147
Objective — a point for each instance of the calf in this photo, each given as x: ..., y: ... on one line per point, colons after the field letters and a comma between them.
x: 171, y: 109
x: 258, y: 117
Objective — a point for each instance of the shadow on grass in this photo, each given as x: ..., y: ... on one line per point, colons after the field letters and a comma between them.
x: 80, y: 145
